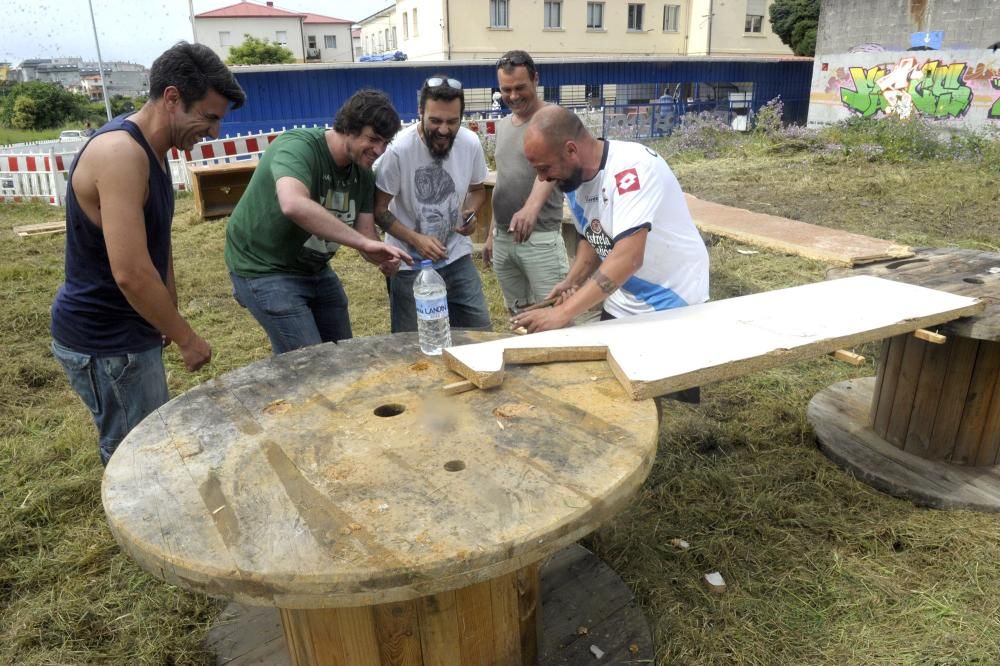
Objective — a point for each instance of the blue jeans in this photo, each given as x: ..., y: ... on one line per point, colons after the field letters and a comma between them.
x: 296, y: 310
x: 120, y: 391
x: 466, y: 303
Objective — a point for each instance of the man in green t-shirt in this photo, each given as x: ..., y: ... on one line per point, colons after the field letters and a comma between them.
x: 312, y: 192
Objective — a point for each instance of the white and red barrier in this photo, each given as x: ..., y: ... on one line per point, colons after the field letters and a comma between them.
x: 43, y: 176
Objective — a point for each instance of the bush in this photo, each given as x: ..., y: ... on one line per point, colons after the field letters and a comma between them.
x: 53, y: 105
x: 702, y: 134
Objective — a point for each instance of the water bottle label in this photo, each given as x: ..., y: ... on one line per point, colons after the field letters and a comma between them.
x: 432, y: 308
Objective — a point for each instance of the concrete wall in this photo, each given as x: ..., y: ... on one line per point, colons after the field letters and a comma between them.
x: 206, y: 31
x: 342, y: 32
x: 728, y: 36
x: 426, y: 38
x: 868, y: 71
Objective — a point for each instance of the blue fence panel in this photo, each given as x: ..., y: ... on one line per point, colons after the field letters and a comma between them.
x: 284, y: 96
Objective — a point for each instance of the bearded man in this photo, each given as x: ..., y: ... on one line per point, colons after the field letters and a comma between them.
x: 429, y: 185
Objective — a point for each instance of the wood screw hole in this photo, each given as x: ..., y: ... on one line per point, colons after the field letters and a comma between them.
x: 392, y: 409
x: 454, y: 465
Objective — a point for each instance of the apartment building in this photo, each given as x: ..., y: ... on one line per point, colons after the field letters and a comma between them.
x: 475, y: 29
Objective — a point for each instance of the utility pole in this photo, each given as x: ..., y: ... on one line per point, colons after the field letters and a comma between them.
x: 100, y: 62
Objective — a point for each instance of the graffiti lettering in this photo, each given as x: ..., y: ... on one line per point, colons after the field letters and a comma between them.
x: 934, y: 90
x: 941, y: 92
x: 866, y: 98
x: 994, y: 113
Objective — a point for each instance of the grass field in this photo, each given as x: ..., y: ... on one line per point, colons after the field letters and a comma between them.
x: 821, y: 569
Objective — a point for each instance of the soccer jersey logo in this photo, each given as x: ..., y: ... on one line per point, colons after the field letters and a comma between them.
x: 598, y: 238
x: 595, y: 227
x: 627, y: 181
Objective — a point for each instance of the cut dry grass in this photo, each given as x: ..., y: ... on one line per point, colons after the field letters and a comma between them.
x: 821, y: 569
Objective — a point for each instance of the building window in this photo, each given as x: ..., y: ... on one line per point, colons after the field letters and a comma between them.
x: 416, y: 27
x: 281, y: 37
x: 498, y: 14
x: 595, y: 16
x: 755, y: 16
x: 224, y: 39
x: 311, y: 41
x: 553, y: 13
x: 330, y: 41
x: 671, y: 18
x: 635, y: 16
x: 406, y: 28
x: 395, y: 45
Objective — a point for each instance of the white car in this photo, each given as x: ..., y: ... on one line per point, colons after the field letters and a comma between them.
x: 67, y: 136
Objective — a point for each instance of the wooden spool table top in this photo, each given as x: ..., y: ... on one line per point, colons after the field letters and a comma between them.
x: 974, y: 273
x: 339, y: 475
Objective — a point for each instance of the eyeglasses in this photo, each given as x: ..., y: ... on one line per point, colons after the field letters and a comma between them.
x: 516, y: 60
x: 436, y: 81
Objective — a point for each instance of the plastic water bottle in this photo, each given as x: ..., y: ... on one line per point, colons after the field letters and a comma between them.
x: 431, y: 298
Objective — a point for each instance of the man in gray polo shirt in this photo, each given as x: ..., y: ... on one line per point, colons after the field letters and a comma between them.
x: 525, y: 242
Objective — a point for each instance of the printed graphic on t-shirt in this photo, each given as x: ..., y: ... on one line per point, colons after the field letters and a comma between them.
x: 437, y: 205
x: 317, y: 251
x: 598, y: 238
x: 627, y: 181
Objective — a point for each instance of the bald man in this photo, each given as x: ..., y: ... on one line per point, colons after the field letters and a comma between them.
x: 638, y: 250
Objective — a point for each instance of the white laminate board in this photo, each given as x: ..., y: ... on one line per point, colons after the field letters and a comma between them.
x: 668, y: 351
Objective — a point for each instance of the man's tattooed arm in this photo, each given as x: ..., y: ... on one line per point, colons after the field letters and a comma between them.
x: 385, y: 220
x: 606, y: 284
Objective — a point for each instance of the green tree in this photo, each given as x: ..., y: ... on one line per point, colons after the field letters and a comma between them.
x: 795, y: 22
x: 25, y: 113
x: 53, y: 104
x: 254, y: 51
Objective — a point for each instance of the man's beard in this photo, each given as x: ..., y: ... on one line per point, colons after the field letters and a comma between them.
x: 574, y: 181
x: 435, y: 148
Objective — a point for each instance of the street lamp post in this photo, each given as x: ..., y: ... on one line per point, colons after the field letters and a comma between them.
x: 100, y: 62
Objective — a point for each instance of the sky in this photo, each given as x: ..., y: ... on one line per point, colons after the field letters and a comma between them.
x: 130, y: 30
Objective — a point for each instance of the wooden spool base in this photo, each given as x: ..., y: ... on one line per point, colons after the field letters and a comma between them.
x: 577, y: 589
x: 840, y: 416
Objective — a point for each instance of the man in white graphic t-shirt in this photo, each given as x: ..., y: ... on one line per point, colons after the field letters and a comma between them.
x: 639, y: 250
x: 429, y: 185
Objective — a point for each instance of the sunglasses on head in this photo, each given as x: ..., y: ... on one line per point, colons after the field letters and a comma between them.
x: 436, y: 81
x: 515, y: 60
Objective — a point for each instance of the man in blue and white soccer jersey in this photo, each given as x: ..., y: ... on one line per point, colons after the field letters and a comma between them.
x: 639, y: 250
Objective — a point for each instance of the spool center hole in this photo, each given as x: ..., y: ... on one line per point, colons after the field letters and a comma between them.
x: 973, y: 280
x: 454, y: 465
x: 392, y: 409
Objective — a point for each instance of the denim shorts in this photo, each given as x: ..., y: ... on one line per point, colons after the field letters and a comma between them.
x: 120, y: 391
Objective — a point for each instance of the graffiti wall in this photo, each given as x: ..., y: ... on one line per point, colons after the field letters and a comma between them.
x: 958, y: 88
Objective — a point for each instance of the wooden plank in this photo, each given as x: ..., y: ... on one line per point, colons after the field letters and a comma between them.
x: 312, y: 636
x: 935, y: 364
x: 474, y: 607
x: 439, y: 636
x: 990, y: 444
x: 849, y: 357
x: 952, y: 400
x: 977, y: 404
x: 882, y: 411
x: 41, y: 229
x: 357, y: 631
x: 398, y: 634
x: 506, y: 620
x: 929, y: 336
x: 529, y: 604
x: 879, y: 380
x: 791, y: 236
x: 906, y: 390
x: 724, y: 339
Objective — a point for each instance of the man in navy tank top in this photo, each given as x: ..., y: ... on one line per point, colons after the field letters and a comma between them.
x: 117, y: 308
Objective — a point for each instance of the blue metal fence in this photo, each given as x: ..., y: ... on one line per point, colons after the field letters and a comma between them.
x: 284, y: 96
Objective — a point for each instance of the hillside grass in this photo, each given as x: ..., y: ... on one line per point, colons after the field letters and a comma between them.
x: 821, y: 569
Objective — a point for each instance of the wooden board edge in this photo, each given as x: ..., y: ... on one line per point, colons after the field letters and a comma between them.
x: 641, y: 390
